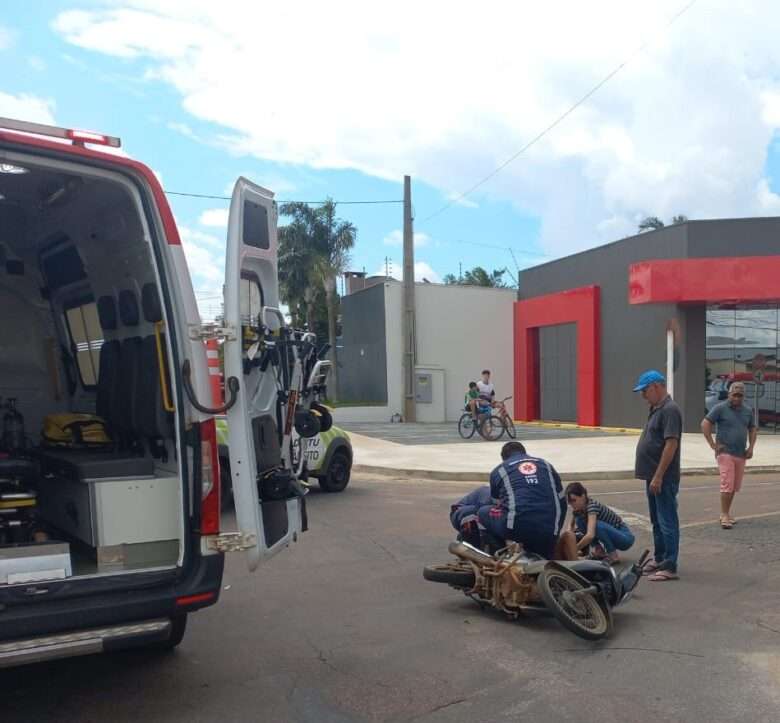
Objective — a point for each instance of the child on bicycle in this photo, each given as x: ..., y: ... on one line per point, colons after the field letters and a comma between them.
x: 471, y: 400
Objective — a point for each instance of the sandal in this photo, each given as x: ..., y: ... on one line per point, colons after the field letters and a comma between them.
x: 726, y: 523
x: 650, y: 567
x: 663, y: 576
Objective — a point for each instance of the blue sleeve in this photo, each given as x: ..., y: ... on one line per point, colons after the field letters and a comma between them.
x: 714, y: 414
x: 495, y: 484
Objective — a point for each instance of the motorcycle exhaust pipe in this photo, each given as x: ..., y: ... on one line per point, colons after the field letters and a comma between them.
x: 470, y: 553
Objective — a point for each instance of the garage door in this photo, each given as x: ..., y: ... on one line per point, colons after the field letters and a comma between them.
x: 558, y: 372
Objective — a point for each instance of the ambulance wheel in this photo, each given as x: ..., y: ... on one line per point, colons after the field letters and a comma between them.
x: 178, y: 628
x: 337, y: 476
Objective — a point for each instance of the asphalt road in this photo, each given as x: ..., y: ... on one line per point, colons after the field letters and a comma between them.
x: 343, y: 628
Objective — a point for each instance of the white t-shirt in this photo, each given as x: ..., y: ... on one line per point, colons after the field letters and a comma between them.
x: 486, y: 390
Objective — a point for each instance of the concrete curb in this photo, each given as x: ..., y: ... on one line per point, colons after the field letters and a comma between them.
x: 431, y: 474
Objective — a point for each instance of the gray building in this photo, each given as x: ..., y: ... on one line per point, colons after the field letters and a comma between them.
x: 698, y: 301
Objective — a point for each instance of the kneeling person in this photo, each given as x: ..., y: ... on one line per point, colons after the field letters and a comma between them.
x: 463, y: 515
x: 597, y: 523
x: 531, y: 505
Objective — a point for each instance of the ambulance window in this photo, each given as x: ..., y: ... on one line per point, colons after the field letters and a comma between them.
x: 251, y: 301
x: 86, y: 338
x: 255, y: 231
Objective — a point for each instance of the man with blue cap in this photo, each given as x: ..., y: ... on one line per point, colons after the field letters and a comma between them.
x: 658, y: 464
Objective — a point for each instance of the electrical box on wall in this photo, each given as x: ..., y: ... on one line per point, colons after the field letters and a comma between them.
x: 423, y: 390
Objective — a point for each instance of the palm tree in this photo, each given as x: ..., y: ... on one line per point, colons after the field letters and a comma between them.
x: 479, y: 277
x: 296, y: 281
x: 322, y: 244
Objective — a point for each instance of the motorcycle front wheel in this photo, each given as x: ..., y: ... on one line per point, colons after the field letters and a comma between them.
x: 579, y: 613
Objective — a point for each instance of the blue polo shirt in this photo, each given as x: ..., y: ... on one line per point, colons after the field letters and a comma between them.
x: 530, y: 491
x: 732, y: 426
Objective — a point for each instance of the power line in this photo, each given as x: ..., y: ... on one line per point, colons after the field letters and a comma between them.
x: 502, y: 248
x: 559, y: 119
x: 228, y: 198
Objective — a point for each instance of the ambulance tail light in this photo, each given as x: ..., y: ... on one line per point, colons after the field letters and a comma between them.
x: 209, y: 470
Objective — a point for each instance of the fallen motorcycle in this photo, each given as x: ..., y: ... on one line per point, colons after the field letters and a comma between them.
x: 579, y: 594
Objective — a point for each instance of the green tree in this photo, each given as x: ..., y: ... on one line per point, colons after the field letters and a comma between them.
x: 319, y: 246
x: 651, y: 223
x: 479, y: 277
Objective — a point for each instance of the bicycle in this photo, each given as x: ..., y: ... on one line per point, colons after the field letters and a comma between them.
x: 493, y: 425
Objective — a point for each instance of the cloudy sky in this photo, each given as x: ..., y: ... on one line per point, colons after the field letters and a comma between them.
x: 342, y: 99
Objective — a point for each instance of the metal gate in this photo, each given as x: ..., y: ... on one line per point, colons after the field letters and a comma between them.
x: 558, y: 372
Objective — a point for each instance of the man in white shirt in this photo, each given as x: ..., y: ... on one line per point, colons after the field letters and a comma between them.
x: 485, y: 388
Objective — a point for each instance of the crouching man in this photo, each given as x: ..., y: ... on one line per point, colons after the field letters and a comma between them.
x: 463, y: 515
x: 530, y: 506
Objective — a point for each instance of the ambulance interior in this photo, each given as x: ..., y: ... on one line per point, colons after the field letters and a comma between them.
x: 90, y: 473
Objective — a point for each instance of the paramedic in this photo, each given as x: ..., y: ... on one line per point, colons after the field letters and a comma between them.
x: 530, y: 507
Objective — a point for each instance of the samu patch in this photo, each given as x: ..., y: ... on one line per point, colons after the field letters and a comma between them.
x: 527, y: 468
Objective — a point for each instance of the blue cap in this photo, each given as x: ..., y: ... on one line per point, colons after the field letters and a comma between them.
x: 651, y: 376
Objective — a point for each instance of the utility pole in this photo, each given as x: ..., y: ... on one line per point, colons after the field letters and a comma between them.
x: 409, y: 341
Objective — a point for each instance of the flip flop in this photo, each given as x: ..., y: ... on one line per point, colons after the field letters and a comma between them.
x: 663, y: 576
x: 650, y: 567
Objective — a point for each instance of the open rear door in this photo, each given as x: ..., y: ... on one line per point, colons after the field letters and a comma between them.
x: 251, y: 283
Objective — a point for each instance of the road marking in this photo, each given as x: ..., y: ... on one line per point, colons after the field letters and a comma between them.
x: 742, y: 517
x: 685, y: 488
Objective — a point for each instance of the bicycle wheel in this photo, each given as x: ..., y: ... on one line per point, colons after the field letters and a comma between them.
x: 491, y: 427
x: 509, y: 427
x: 466, y: 426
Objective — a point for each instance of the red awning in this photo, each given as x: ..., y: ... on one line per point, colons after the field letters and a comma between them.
x: 735, y: 279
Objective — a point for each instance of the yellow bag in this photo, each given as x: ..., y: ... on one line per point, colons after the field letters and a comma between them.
x: 75, y: 430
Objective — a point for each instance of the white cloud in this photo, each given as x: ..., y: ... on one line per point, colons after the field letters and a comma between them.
x: 6, y: 38
x: 396, y: 238
x: 214, y: 217
x: 205, y: 256
x: 27, y: 107
x: 684, y: 128
x: 183, y: 129
x: 422, y: 271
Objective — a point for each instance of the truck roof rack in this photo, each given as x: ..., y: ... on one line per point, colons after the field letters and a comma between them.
x: 78, y: 137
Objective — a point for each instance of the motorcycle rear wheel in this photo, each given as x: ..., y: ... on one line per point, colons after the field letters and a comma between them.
x: 450, y: 574
x: 583, y: 615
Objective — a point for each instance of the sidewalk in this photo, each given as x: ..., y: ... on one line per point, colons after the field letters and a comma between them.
x: 576, y: 458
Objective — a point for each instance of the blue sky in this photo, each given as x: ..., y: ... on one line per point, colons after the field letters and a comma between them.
x: 345, y: 104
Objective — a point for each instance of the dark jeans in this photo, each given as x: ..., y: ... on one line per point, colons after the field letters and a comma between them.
x: 466, y: 524
x: 531, y: 537
x: 666, y: 524
x: 612, y: 538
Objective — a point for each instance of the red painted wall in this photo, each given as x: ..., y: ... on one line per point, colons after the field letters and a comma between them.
x: 581, y: 306
x: 733, y: 279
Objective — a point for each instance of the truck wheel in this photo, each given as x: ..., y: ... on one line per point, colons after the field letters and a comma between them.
x: 178, y: 628
x: 337, y: 476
